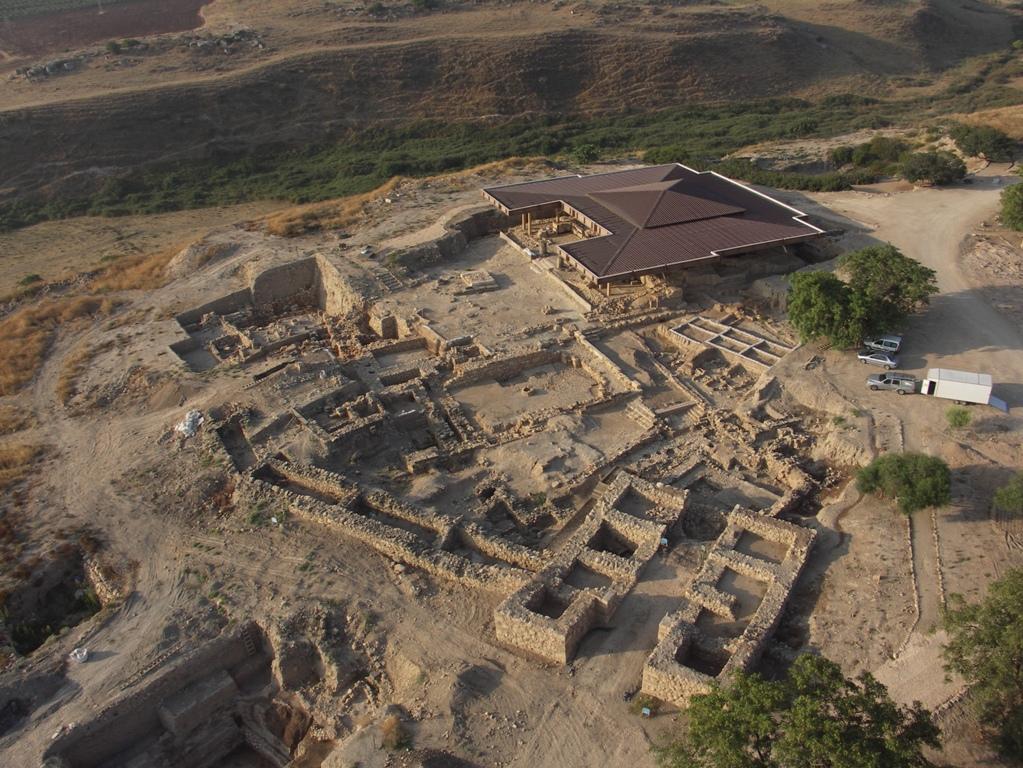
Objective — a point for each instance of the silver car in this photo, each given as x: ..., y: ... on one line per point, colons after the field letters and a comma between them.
x: 875, y: 357
x: 887, y: 343
x: 900, y: 382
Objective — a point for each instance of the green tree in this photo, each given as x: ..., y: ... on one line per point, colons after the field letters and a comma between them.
x: 986, y: 647
x: 814, y: 718
x: 819, y: 306
x: 913, y: 480
x: 983, y: 141
x: 886, y: 286
x: 1009, y: 498
x: 935, y: 167
x: 1012, y: 206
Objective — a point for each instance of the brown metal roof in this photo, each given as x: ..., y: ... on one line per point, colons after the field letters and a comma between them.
x: 661, y: 216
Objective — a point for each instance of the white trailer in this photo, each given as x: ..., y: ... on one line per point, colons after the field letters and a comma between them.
x: 961, y: 386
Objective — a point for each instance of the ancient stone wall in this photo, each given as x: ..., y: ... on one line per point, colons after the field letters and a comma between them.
x: 670, y: 673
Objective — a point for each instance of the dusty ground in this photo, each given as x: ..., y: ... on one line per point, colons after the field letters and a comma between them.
x: 871, y: 594
x: 58, y: 250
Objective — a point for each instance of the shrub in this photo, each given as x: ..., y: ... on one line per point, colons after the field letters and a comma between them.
x: 879, y: 150
x: 585, y: 153
x: 958, y: 417
x: 393, y: 734
x: 1012, y: 207
x: 840, y: 156
x: 934, y: 167
x: 983, y: 141
x: 1009, y: 498
x: 30, y: 279
x: 913, y: 480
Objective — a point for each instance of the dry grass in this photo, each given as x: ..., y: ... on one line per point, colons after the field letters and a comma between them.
x: 136, y: 273
x: 1007, y: 119
x: 13, y: 419
x: 343, y: 212
x: 15, y: 462
x: 393, y: 734
x: 347, y: 211
x: 26, y: 334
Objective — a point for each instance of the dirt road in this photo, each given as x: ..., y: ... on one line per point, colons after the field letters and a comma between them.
x: 959, y: 330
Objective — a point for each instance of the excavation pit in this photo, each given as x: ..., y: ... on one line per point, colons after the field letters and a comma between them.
x: 703, y: 660
x: 547, y: 603
x: 753, y: 545
x: 608, y: 540
x: 749, y: 592
x: 581, y: 576
x: 56, y: 596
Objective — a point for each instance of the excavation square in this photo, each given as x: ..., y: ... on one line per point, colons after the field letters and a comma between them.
x: 749, y: 592
x: 608, y: 540
x: 554, y: 386
x: 582, y: 576
x: 753, y: 545
x: 706, y: 661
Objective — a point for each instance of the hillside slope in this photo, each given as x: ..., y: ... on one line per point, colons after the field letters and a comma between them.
x: 613, y: 59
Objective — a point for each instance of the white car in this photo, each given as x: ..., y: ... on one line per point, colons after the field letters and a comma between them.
x: 875, y: 357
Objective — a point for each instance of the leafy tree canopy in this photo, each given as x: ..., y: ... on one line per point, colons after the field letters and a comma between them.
x: 814, y: 718
x: 890, y: 285
x: 1009, y: 498
x: 934, y: 167
x: 914, y: 480
x: 986, y: 647
x: 1012, y: 206
x: 819, y: 307
x: 883, y: 287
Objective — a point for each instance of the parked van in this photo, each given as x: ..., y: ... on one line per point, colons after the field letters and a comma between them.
x: 888, y: 343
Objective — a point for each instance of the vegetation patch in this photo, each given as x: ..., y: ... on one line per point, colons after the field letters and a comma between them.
x: 363, y: 159
x: 815, y: 716
x: 986, y: 647
x: 26, y: 334
x: 15, y: 463
x: 1009, y: 498
x: 1012, y: 207
x: 882, y: 288
x: 914, y: 480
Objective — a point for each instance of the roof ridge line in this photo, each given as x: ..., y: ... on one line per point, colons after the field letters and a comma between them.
x: 618, y: 252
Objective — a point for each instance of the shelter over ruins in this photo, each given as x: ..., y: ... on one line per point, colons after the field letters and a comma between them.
x: 625, y: 224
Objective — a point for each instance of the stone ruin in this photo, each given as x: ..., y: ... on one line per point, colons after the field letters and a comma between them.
x: 226, y: 697
x: 357, y: 375
x: 731, y: 608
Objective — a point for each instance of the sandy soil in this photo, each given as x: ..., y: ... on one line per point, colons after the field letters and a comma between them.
x: 872, y: 590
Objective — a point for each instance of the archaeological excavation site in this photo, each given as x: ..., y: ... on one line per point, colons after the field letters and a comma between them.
x: 502, y: 474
